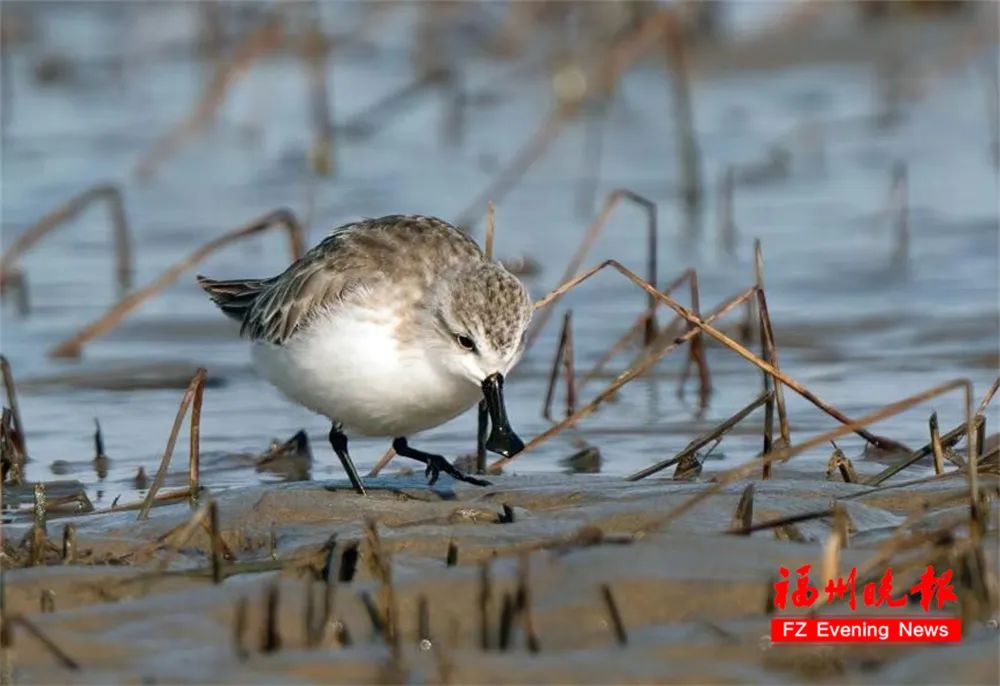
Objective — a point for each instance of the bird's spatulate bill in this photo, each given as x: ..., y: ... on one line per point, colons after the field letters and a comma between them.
x: 502, y: 440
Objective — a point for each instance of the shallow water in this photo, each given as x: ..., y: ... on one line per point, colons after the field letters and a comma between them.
x: 852, y: 329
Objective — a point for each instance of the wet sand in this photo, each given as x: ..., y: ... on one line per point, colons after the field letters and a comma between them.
x: 693, y: 599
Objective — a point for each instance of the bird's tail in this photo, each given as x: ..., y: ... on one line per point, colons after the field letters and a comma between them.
x: 236, y: 297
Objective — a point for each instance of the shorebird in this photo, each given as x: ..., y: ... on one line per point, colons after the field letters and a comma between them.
x: 388, y: 327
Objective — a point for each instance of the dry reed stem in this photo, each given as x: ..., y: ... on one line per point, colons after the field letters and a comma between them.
x: 785, y: 521
x: 216, y: 541
x: 704, y: 439
x: 587, y: 242
x: 696, y: 350
x: 675, y: 52
x: 491, y: 228
x: 262, y: 40
x: 621, y: 57
x: 523, y: 159
x: 270, y: 638
x: 625, y: 377
x: 10, y: 393
x: 743, y: 517
x: 197, y: 381
x: 68, y: 544
x: 947, y: 441
x: 38, y: 528
x: 984, y: 403
x: 108, y: 193
x: 72, y: 346
x: 194, y: 442
x: 703, y: 325
x: 840, y: 462
x: 314, y: 53
x: 785, y: 453
x: 564, y: 357
x: 382, y: 462
x: 830, y: 561
x: 621, y: 635
x: 485, y: 599
x: 936, y: 448
x: 523, y: 603
x: 64, y: 659
x: 641, y: 324
x: 768, y: 343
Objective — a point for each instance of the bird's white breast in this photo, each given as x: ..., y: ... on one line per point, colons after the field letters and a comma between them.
x: 350, y: 366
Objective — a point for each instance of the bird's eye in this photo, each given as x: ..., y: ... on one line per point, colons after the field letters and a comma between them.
x: 466, y: 343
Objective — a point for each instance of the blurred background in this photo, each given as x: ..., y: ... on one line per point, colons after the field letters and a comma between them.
x: 858, y: 141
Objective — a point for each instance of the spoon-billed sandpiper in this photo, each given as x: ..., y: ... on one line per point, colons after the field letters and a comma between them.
x: 388, y: 327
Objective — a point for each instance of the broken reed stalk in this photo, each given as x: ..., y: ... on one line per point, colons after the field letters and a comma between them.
x: 64, y: 659
x: 314, y: 54
x: 785, y: 453
x: 215, y: 542
x: 675, y: 52
x: 109, y: 194
x: 262, y: 40
x: 704, y: 439
x: 564, y: 357
x: 899, y: 209
x: 485, y: 604
x: 625, y: 377
x: 194, y: 443
x: 743, y: 517
x: 491, y: 228
x: 707, y: 328
x: 72, y: 346
x: 704, y: 325
x: 641, y: 323
x: 616, y: 618
x: 587, y: 242
x: 783, y: 521
x: 38, y: 526
x: 382, y: 462
x: 830, y: 562
x: 270, y: 638
x: 622, y: 55
x: 523, y: 159
x: 768, y: 344
x: 696, y: 350
x: 523, y: 603
x: 423, y: 622
x: 10, y: 392
x: 984, y: 403
x: 69, y: 544
x: 381, y: 565
x: 947, y: 441
x: 197, y: 382
x: 936, y: 448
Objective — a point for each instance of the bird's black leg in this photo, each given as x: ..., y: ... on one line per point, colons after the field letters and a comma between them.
x: 484, y: 417
x: 339, y: 442
x: 435, y: 463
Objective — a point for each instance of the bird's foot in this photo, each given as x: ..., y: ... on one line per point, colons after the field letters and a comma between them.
x: 437, y: 464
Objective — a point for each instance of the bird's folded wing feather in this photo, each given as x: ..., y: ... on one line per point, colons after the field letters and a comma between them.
x: 311, y: 286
